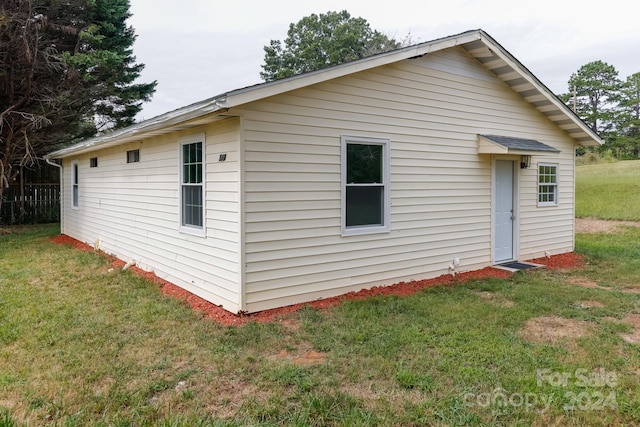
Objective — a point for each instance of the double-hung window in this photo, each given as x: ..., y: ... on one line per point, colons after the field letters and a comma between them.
x: 74, y: 185
x: 365, y: 185
x: 547, y: 184
x: 192, y: 184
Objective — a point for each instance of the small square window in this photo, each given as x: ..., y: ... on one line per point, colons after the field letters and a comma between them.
x: 133, y: 156
x: 93, y: 162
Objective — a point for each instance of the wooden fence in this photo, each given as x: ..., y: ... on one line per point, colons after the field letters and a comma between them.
x: 33, y: 197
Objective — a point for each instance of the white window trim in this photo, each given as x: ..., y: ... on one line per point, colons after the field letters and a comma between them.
x: 75, y: 185
x: 386, y: 176
x: 189, y: 229
x: 557, y: 185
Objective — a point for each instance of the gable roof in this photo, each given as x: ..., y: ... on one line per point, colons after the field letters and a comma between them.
x: 476, y: 42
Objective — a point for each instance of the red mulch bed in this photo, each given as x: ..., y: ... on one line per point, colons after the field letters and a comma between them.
x: 569, y: 260
x: 218, y: 314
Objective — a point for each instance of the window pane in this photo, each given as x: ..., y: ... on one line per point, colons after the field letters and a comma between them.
x: 185, y: 174
x: 193, y: 174
x: 198, y: 148
x: 364, y: 163
x: 185, y: 153
x: 192, y: 205
x: 364, y: 205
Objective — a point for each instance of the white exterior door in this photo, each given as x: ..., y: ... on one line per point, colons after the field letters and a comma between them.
x: 504, y: 211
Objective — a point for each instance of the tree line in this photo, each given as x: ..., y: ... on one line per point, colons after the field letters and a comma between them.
x: 610, y: 106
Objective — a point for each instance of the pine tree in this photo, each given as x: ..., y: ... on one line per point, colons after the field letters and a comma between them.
x: 67, y: 71
x: 597, y: 87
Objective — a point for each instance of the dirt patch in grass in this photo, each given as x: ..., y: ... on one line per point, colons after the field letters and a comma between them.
x: 494, y: 298
x: 552, y: 329
x: 227, y: 396
x: 302, y: 354
x: 588, y: 283
x: 302, y: 358
x: 634, y: 336
x: 589, y: 304
x: 593, y: 225
x: 219, y: 314
x: 584, y: 283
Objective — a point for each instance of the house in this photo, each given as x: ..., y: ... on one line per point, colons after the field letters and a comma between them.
x: 444, y: 156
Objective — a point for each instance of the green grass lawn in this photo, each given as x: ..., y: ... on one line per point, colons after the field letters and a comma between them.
x: 609, y: 191
x: 81, y: 344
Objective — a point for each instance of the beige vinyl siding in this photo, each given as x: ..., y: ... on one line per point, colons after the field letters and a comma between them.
x: 431, y: 109
x: 132, y: 209
x: 548, y: 228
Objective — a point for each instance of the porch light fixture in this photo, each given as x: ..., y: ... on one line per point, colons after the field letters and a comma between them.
x: 525, y: 161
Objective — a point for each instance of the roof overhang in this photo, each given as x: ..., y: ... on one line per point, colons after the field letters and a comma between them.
x: 476, y: 42
x: 496, y: 144
x: 188, y: 117
x: 500, y: 62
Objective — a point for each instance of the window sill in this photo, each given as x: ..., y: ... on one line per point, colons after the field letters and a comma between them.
x: 359, y: 231
x: 192, y: 231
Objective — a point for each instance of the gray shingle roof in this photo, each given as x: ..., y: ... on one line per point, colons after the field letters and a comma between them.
x: 521, y: 143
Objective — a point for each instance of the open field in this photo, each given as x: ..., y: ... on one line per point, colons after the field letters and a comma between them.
x: 83, y: 344
x: 609, y: 190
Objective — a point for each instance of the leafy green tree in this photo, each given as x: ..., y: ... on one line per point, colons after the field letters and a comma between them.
x: 320, y: 41
x: 67, y: 71
x: 596, y: 91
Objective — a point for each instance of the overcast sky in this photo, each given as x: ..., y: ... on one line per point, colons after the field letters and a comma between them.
x: 197, y: 49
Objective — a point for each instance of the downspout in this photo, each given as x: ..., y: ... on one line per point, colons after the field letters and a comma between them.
x: 59, y: 166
